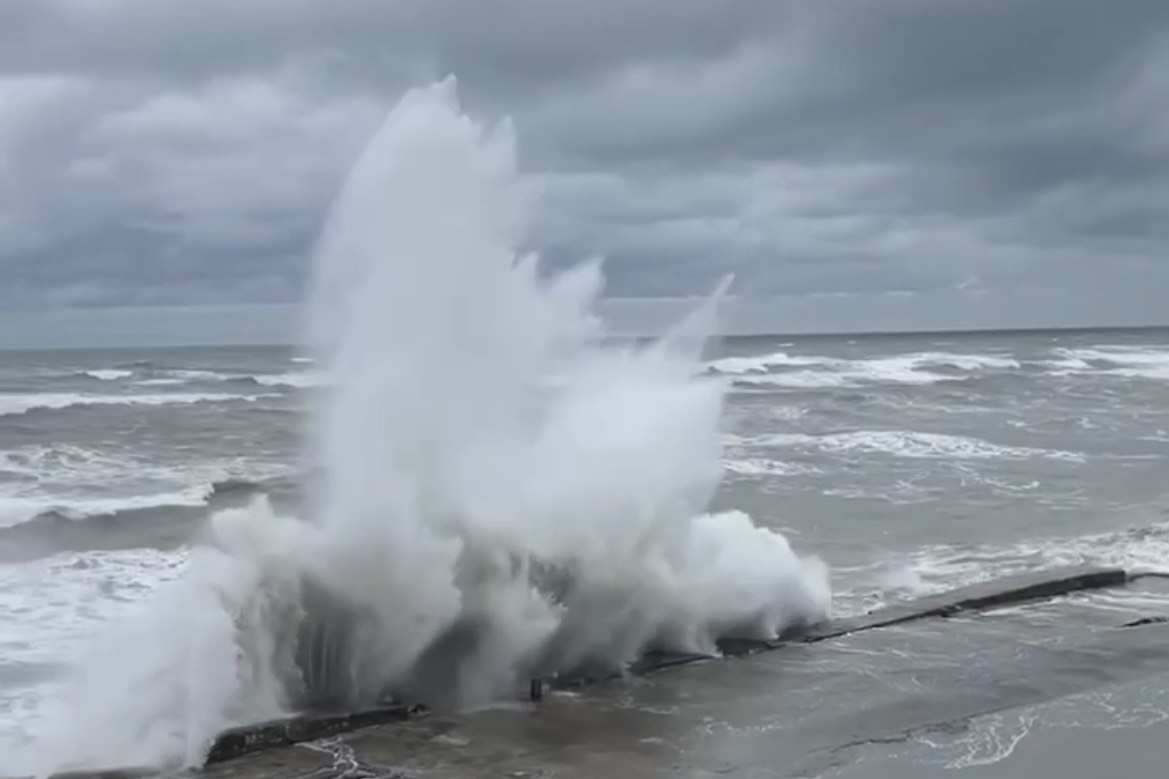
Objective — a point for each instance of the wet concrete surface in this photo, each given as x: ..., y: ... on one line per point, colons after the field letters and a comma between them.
x: 997, y: 592
x: 839, y: 708
x: 888, y: 697
x: 1120, y: 729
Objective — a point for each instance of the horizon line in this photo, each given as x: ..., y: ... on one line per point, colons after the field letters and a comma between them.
x: 999, y: 331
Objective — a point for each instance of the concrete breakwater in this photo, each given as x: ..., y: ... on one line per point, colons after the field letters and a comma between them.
x: 986, y: 596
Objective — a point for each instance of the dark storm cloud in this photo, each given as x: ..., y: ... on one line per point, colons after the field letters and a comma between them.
x: 497, y: 42
x: 161, y: 152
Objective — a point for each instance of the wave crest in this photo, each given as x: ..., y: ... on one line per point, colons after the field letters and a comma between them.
x: 781, y: 369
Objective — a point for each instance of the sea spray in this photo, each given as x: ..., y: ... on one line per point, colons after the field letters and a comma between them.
x: 498, y: 492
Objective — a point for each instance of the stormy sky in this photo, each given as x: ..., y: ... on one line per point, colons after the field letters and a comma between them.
x: 911, y: 157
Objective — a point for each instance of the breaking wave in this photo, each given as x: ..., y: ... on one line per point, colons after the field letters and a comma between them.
x: 291, y: 379
x: 907, y: 443
x: 56, y: 497
x: 33, y: 527
x: 781, y: 369
x: 930, y: 569
x: 12, y: 404
x: 16, y: 510
x: 108, y: 374
x: 458, y: 539
x: 1130, y: 362
x: 143, y: 373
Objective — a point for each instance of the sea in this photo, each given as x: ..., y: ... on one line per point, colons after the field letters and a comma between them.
x: 908, y: 463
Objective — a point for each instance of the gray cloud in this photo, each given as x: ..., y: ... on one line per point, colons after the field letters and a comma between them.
x: 161, y: 153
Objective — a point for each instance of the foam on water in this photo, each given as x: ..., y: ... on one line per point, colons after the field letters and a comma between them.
x: 108, y: 374
x: 935, y: 568
x: 907, y: 443
x: 19, y: 404
x: 52, y: 607
x: 781, y: 369
x: 299, y: 380
x: 761, y: 466
x: 77, y: 483
x: 1122, y: 361
x: 166, y: 378
x: 459, y: 538
x: 16, y: 510
x: 819, y: 371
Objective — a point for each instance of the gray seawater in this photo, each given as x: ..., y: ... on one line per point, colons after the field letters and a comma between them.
x: 908, y: 463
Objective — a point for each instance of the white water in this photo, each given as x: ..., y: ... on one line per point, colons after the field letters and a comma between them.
x: 476, y: 531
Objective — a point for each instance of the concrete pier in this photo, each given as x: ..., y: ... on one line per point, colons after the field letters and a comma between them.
x: 549, y: 719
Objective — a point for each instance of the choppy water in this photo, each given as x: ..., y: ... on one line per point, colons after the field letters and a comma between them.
x: 909, y: 463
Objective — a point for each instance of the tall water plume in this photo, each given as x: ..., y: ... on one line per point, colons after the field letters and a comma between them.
x: 499, y: 491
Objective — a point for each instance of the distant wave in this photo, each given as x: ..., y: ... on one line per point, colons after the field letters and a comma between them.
x: 801, y: 371
x: 905, y: 443
x: 160, y: 382
x: 11, y: 405
x: 299, y: 380
x: 35, y: 527
x: 172, y: 376
x: 188, y: 374
x: 762, y: 467
x: 1131, y: 362
x: 292, y: 379
x: 65, y: 468
x: 108, y: 374
x: 780, y: 369
x: 145, y: 375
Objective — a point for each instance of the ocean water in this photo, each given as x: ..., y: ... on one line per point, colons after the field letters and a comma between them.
x: 460, y: 482
x: 908, y: 463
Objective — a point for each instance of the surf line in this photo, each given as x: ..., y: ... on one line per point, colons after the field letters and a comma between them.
x: 984, y: 596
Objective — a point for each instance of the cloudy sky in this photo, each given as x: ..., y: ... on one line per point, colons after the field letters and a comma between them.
x: 1003, y: 157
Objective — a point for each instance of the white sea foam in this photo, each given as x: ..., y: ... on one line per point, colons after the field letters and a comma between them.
x: 39, y: 462
x: 296, y: 379
x: 481, y: 535
x: 174, y: 376
x: 817, y: 371
x: 189, y: 374
x: 761, y: 466
x: 761, y: 363
x: 16, y: 510
x: 76, y: 482
x: 299, y: 380
x: 108, y: 374
x: 1131, y: 362
x: 59, y: 600
x: 63, y: 466
x: 936, y: 568
x: 50, y: 608
x: 907, y: 443
x: 940, y: 567
x: 20, y: 404
x: 162, y: 381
